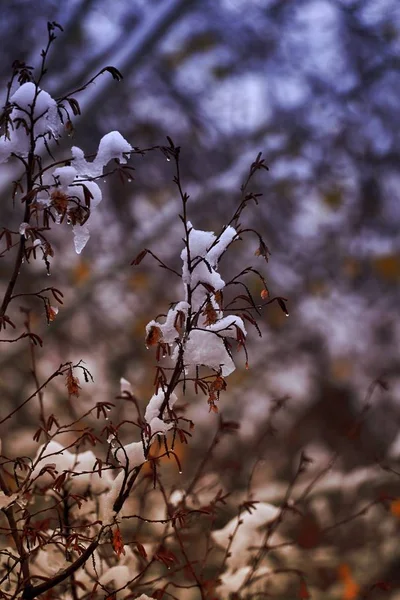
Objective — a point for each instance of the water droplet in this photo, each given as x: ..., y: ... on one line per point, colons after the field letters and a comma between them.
x: 129, y: 180
x: 106, y: 418
x: 169, y: 160
x: 286, y: 314
x: 180, y: 472
x: 48, y: 274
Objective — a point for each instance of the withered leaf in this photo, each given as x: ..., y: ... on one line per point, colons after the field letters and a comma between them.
x: 154, y: 336
x: 140, y: 257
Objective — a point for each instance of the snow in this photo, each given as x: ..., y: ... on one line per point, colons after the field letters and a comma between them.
x: 120, y: 575
x: 80, y: 467
x: 65, y: 176
x: 72, y: 178
x: 176, y: 497
x: 126, y: 387
x: 106, y: 501
x: 226, y: 326
x: 247, y: 534
x: 29, y: 102
x: 204, y: 345
x: 168, y: 330
x: 205, y: 251
x: 22, y: 229
x: 45, y: 109
x: 133, y: 453
x: 7, y: 500
x: 232, y: 580
x: 208, y: 349
x: 112, y: 146
x: 156, y: 424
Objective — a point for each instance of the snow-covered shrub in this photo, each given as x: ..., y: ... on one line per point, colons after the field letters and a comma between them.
x: 89, y: 515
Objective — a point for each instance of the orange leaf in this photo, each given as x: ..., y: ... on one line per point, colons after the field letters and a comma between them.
x: 264, y: 294
x: 117, y: 543
x: 72, y: 383
x: 153, y: 336
x: 303, y: 591
x: 52, y: 312
x: 351, y: 588
x: 81, y: 272
x: 395, y: 508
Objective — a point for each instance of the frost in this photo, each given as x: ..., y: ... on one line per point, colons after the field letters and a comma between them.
x: 151, y: 415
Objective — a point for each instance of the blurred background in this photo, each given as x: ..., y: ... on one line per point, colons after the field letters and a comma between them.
x: 315, y: 86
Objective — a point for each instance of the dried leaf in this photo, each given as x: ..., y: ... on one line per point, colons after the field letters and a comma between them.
x: 117, y: 543
x: 154, y: 336
x: 210, y: 313
x: 52, y: 312
x: 72, y: 383
x: 140, y: 257
x: 395, y: 508
x: 303, y: 591
x: 263, y: 251
x: 141, y: 550
x: 309, y: 534
x: 351, y: 588
x: 283, y: 306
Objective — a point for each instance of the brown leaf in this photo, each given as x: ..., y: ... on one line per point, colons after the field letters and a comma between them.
x: 72, y: 383
x: 140, y: 257
x: 210, y: 313
x: 303, y: 591
x: 117, y: 543
x: 154, y: 336
x: 309, y: 534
